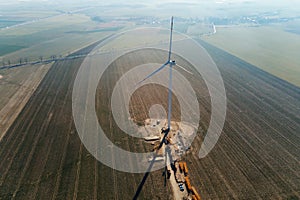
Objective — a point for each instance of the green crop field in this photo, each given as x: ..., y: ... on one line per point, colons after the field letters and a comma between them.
x: 59, y: 35
x: 59, y: 21
x: 57, y: 46
x: 5, y: 49
x: 270, y: 48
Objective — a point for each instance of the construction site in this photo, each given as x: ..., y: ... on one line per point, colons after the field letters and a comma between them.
x: 169, y: 149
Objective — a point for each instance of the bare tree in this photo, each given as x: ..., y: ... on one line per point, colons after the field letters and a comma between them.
x: 53, y: 57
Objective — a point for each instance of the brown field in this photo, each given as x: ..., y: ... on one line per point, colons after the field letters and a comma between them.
x: 16, y: 87
x: 256, y: 157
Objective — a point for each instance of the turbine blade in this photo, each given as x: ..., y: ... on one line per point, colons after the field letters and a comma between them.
x: 183, y: 68
x: 153, y: 73
x: 171, y: 34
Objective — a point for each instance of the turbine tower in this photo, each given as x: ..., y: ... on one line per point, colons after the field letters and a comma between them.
x: 169, y: 63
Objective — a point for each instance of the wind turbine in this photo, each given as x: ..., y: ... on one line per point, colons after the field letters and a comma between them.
x: 169, y: 63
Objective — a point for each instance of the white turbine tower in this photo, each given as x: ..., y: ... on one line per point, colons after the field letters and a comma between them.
x: 169, y: 63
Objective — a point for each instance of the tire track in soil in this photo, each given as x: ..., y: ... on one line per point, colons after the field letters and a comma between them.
x: 62, y: 162
x: 75, y: 63
x: 59, y: 174
x: 29, y: 159
x: 19, y: 145
x: 54, y: 102
x: 9, y: 140
x: 266, y: 159
x: 87, y: 177
x: 61, y: 192
x: 41, y: 132
x: 36, y: 185
x: 77, y: 174
x: 78, y: 170
x: 27, y: 136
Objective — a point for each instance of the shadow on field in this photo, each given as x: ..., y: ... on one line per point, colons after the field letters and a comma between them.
x: 140, y: 187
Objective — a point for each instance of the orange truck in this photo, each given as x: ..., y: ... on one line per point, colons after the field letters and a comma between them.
x: 188, y: 184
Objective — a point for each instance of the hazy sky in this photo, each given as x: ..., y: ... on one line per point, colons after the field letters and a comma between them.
x: 270, y: 2
x: 204, y: 5
x: 159, y: 1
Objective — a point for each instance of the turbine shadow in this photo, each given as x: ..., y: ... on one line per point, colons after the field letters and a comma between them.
x: 140, y: 187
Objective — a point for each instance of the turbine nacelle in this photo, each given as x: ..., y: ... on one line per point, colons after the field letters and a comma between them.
x: 172, y: 62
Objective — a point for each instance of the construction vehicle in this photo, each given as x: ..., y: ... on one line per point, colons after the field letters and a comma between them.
x: 188, y: 184
x: 181, y: 187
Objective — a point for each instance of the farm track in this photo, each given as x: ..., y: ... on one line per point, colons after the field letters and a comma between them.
x: 256, y: 157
